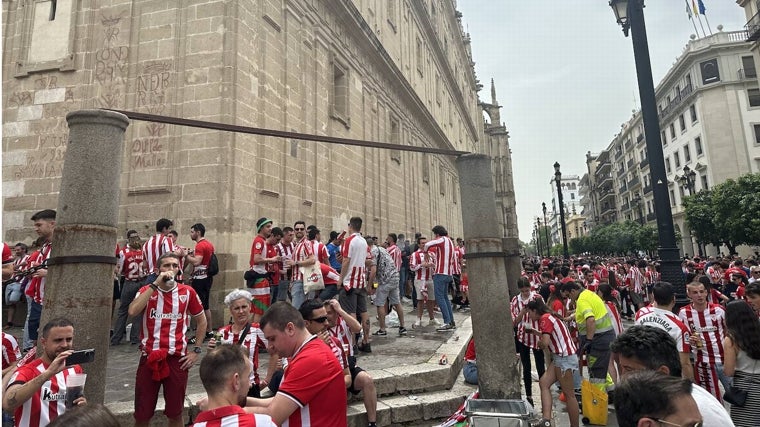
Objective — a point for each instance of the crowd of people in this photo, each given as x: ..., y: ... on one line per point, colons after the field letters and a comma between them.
x: 575, y: 310
x: 311, y: 332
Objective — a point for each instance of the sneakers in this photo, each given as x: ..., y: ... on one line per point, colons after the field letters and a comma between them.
x: 401, y: 331
x: 434, y: 322
x: 445, y: 328
x: 380, y: 333
x: 543, y: 423
x: 208, y: 336
x: 417, y: 324
x: 364, y: 347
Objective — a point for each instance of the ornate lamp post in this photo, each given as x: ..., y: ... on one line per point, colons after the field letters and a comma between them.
x: 637, y: 201
x: 558, y: 181
x: 546, y: 230
x: 630, y: 15
x: 688, y: 179
x: 537, y: 230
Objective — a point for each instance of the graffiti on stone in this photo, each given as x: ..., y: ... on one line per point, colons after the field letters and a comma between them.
x: 20, y: 98
x: 152, y: 87
x: 46, y: 82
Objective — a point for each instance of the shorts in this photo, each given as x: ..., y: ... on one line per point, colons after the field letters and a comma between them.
x: 565, y: 363
x: 146, y: 390
x: 202, y: 287
x: 13, y: 293
x: 353, y: 301
x: 387, y: 293
x: 418, y: 288
x: 262, y: 297
x: 354, y: 370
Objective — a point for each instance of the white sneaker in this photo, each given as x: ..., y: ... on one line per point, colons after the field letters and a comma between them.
x: 417, y: 324
x: 434, y: 322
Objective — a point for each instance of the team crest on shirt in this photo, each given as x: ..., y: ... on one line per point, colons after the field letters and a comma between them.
x: 183, y: 298
x: 258, y: 245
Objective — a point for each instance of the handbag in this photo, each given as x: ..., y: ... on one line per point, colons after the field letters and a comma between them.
x: 312, y: 278
x: 735, y: 396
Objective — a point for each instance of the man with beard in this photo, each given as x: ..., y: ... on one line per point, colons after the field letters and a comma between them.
x: 259, y: 273
x: 225, y: 373
x: 130, y: 266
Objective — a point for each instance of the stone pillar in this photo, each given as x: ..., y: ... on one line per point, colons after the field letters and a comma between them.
x: 498, y: 375
x: 79, y: 284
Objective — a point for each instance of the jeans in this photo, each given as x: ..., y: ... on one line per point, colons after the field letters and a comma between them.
x: 296, y: 293
x: 27, y: 342
x: 282, y: 290
x: 470, y: 373
x: 441, y: 284
x: 128, y: 293
x: 402, y: 283
x: 33, y: 320
x: 328, y: 292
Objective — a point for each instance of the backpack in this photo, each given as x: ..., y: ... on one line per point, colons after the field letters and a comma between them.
x: 213, y: 266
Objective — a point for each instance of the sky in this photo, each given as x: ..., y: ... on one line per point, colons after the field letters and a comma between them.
x: 565, y: 76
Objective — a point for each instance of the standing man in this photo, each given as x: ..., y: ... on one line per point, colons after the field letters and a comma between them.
x: 259, y: 285
x: 422, y: 266
x: 384, y: 267
x: 443, y: 249
x: 660, y: 315
x: 224, y: 373
x: 707, y: 325
x: 200, y: 257
x: 15, y: 290
x: 395, y: 253
x: 312, y: 392
x: 37, y: 390
x: 157, y: 245
x: 302, y: 257
x: 44, y: 224
x: 353, y: 295
x: 333, y: 249
x: 406, y: 252
x: 130, y: 267
x: 285, y: 250
x: 166, y: 307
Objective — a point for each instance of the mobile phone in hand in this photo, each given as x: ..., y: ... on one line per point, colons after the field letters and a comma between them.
x: 81, y: 356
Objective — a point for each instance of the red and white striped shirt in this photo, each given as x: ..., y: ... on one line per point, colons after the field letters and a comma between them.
x: 652, y: 277
x: 459, y: 254
x: 337, y: 349
x: 355, y: 248
x: 560, y: 341
x: 320, y: 250
x: 342, y: 332
x: 614, y: 313
x: 258, y: 247
x: 232, y: 416
x: 131, y: 263
x: 516, y: 305
x: 329, y: 275
x: 668, y: 322
x: 166, y: 318
x: 11, y: 352
x: 302, y: 251
x: 635, y: 280
x: 36, y: 288
x: 415, y: 264
x: 710, y: 327
x: 7, y: 254
x: 445, y: 255
x: 254, y: 341
x: 395, y: 254
x: 49, y: 401
x: 156, y: 246
x: 285, y: 251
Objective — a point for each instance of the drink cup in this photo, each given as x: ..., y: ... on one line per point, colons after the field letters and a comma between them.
x: 74, y: 388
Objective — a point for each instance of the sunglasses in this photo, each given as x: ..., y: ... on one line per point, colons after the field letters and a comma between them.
x: 300, y: 229
x: 697, y: 424
x: 322, y: 319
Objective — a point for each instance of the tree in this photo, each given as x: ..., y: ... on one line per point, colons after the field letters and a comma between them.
x: 700, y: 217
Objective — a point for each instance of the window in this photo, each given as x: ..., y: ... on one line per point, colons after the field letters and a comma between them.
x: 425, y: 168
x: 754, y: 97
x: 757, y: 133
x: 672, y: 198
x: 418, y: 55
x: 693, y: 113
x: 682, y: 123
x: 340, y: 92
x: 677, y: 159
x: 678, y: 90
x: 395, y: 138
x: 667, y: 164
x: 686, y: 153
x: 572, y: 196
x: 688, y: 80
x: 748, y: 64
x: 672, y: 131
x: 391, y: 10
x: 664, y: 138
x: 47, y: 37
x: 703, y: 178
x: 698, y: 145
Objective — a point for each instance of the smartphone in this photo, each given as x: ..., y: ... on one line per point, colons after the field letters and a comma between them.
x: 81, y: 356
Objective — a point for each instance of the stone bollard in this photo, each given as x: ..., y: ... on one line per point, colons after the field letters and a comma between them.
x: 498, y: 375
x: 79, y: 283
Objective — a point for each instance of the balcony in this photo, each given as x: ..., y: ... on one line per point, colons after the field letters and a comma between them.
x: 606, y: 195
x: 639, y: 138
x: 602, y: 180
x: 630, y: 163
x: 633, y: 182
x: 648, y: 189
x: 623, y: 188
x: 644, y: 163
x: 626, y: 206
x: 651, y: 217
x: 608, y: 208
x: 753, y: 28
x: 671, y: 107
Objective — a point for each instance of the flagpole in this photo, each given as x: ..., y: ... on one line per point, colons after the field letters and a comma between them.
x: 691, y: 18
x: 702, y: 26
x: 708, y: 25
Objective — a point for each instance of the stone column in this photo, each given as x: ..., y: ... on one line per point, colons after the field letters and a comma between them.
x: 498, y: 375
x: 79, y: 284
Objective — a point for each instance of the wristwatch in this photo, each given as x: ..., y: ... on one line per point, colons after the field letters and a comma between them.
x: 197, y: 350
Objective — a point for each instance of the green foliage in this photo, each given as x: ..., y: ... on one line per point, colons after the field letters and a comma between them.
x: 620, y: 238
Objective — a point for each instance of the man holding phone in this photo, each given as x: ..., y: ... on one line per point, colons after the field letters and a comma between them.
x: 37, y: 390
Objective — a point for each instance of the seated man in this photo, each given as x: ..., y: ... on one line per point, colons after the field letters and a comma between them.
x: 654, y: 399
x: 225, y: 374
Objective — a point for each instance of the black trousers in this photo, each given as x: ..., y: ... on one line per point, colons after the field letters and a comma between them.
x: 538, y: 354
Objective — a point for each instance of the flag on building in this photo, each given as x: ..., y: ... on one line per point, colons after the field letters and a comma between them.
x: 701, y: 7
x: 688, y: 9
x: 694, y: 7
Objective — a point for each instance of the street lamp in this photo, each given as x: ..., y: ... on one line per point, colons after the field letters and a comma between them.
x: 546, y: 229
x: 537, y: 229
x: 637, y: 201
x: 630, y: 15
x: 558, y: 180
x: 688, y: 179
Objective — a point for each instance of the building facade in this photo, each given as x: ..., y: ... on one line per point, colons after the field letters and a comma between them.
x: 393, y: 71
x: 709, y: 112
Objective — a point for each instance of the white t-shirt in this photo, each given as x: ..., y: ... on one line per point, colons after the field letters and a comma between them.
x: 713, y: 413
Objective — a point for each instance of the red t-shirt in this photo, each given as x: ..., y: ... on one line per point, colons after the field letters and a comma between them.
x: 329, y: 275
x: 232, y: 416
x: 203, y: 249
x: 130, y: 263
x: 166, y: 318
x: 7, y: 254
x: 258, y: 247
x: 49, y: 401
x: 469, y: 354
x: 313, y: 380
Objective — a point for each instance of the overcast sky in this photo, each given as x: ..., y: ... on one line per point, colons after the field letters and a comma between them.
x: 565, y: 76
